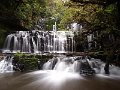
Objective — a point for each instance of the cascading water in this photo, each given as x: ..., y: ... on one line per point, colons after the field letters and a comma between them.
x: 79, y: 65
x: 6, y: 64
x: 90, y: 38
x: 67, y: 64
x: 52, y: 42
x: 39, y: 42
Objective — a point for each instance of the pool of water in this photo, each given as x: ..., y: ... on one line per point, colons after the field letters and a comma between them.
x: 56, y: 80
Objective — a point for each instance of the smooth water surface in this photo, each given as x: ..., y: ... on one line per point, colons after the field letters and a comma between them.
x: 54, y: 80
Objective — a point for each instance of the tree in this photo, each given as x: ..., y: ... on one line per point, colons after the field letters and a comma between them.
x: 54, y: 12
x: 24, y: 13
x: 29, y: 12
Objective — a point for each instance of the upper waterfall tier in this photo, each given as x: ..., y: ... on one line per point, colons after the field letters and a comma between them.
x: 39, y: 42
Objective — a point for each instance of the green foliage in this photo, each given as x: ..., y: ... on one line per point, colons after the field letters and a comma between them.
x: 111, y: 8
x: 54, y: 11
x: 29, y: 12
x: 95, y: 18
x: 80, y: 40
x: 105, y: 23
x: 30, y: 61
x: 49, y: 24
x: 81, y: 14
x: 24, y: 12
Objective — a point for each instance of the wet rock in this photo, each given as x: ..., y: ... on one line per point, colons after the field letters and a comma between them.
x: 85, y: 69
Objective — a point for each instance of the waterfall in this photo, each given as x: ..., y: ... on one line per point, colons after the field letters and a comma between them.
x: 79, y: 65
x: 7, y: 43
x: 6, y: 64
x: 90, y: 38
x: 75, y: 64
x: 15, y: 44
x: 52, y: 42
x: 66, y: 64
x: 39, y: 42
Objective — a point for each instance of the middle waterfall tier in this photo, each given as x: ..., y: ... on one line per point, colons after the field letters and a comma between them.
x: 40, y: 42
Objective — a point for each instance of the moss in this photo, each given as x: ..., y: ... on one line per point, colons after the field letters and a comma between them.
x: 30, y: 61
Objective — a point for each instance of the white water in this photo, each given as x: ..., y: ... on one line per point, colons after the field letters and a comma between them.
x: 67, y: 65
x: 39, y: 42
x: 6, y: 64
x: 75, y: 65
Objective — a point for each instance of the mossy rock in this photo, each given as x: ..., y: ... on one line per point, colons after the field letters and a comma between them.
x: 30, y: 61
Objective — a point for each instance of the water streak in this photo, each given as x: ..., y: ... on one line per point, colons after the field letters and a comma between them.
x: 39, y: 42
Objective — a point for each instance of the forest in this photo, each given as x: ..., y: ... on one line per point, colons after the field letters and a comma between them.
x: 59, y: 44
x: 98, y: 17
